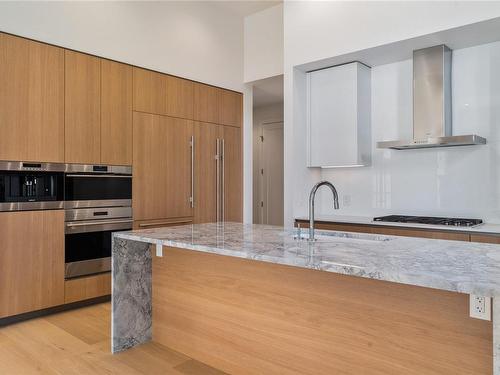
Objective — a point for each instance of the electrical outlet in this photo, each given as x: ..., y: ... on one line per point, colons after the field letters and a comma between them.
x: 480, y: 307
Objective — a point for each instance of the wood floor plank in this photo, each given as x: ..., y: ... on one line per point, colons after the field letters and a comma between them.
x: 88, y: 324
x: 78, y: 342
x: 193, y: 367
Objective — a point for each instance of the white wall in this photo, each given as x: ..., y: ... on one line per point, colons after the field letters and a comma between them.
x: 318, y: 30
x: 268, y: 113
x: 195, y: 40
x: 459, y: 181
x: 263, y: 47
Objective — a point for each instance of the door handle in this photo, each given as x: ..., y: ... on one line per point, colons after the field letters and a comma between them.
x: 191, y: 199
x: 217, y: 181
x: 144, y: 225
x: 85, y: 223
x: 223, y: 195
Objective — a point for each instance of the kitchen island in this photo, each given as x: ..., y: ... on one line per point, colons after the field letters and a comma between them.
x: 255, y: 299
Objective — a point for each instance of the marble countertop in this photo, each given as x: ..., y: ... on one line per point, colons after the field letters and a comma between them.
x: 481, y: 228
x: 465, y: 267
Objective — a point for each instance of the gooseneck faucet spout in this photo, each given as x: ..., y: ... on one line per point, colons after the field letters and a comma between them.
x: 312, y: 196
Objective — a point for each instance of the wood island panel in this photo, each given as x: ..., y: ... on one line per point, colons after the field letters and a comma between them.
x: 249, y: 317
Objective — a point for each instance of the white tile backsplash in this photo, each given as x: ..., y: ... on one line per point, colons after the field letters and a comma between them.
x: 457, y: 181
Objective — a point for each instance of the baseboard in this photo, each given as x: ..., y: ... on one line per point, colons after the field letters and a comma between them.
x: 52, y: 310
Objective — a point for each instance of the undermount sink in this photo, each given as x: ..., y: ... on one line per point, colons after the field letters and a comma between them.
x: 325, y: 236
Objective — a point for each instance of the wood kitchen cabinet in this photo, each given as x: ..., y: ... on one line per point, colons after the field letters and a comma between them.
x: 149, y: 92
x: 82, y: 108
x: 161, y: 167
x: 233, y: 177
x: 218, y: 189
x: 180, y: 95
x: 162, y: 94
x: 32, y: 261
x: 116, y: 113
x: 31, y: 100
x: 206, y: 103
x: 206, y: 192
x: 230, y: 108
x: 88, y: 287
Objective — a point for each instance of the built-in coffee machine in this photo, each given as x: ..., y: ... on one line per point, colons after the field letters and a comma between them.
x: 31, y: 186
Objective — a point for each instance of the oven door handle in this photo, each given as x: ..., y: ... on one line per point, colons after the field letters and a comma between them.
x: 85, y: 223
x: 100, y: 175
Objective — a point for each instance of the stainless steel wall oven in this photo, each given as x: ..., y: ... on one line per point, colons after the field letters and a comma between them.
x: 97, y: 202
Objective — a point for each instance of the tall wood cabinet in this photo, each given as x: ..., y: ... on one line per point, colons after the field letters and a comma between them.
x: 218, y: 173
x: 162, y: 166
x: 98, y: 110
x: 82, y: 108
x: 207, y: 171
x: 31, y: 100
x: 233, y: 176
x: 32, y: 261
x: 116, y: 113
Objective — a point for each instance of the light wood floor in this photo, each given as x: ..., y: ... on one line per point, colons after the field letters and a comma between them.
x: 78, y: 342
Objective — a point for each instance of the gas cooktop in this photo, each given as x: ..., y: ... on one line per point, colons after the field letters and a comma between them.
x: 457, y: 222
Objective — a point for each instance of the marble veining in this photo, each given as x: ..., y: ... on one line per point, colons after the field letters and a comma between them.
x: 472, y: 268
x: 131, y: 294
x: 465, y: 267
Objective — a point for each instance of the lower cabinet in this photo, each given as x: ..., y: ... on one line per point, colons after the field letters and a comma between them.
x: 88, y: 287
x: 405, y: 232
x: 32, y: 261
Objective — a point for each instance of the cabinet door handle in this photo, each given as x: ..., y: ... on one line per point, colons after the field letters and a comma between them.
x: 223, y: 195
x: 217, y: 180
x: 191, y: 199
x: 144, y: 225
x: 85, y: 223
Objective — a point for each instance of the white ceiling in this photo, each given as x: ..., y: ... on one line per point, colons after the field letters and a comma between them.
x: 244, y: 8
x: 268, y: 91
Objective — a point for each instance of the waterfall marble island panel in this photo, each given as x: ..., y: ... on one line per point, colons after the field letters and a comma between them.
x: 469, y: 268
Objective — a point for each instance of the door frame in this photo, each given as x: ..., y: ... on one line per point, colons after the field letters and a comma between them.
x: 261, y: 197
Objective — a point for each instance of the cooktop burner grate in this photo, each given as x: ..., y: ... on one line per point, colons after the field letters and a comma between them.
x: 450, y: 221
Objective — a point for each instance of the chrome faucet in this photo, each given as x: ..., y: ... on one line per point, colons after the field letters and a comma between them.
x: 312, y: 196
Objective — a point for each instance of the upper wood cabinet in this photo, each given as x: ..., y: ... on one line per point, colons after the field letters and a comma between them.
x: 180, y: 94
x: 162, y: 167
x: 230, y: 108
x: 206, y: 103
x: 31, y: 100
x: 163, y: 94
x: 150, y: 92
x: 116, y: 113
x: 32, y: 261
x: 82, y: 108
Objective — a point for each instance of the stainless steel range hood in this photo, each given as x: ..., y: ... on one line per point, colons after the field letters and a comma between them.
x: 432, y: 104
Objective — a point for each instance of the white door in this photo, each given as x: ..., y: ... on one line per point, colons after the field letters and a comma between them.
x: 272, y: 173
